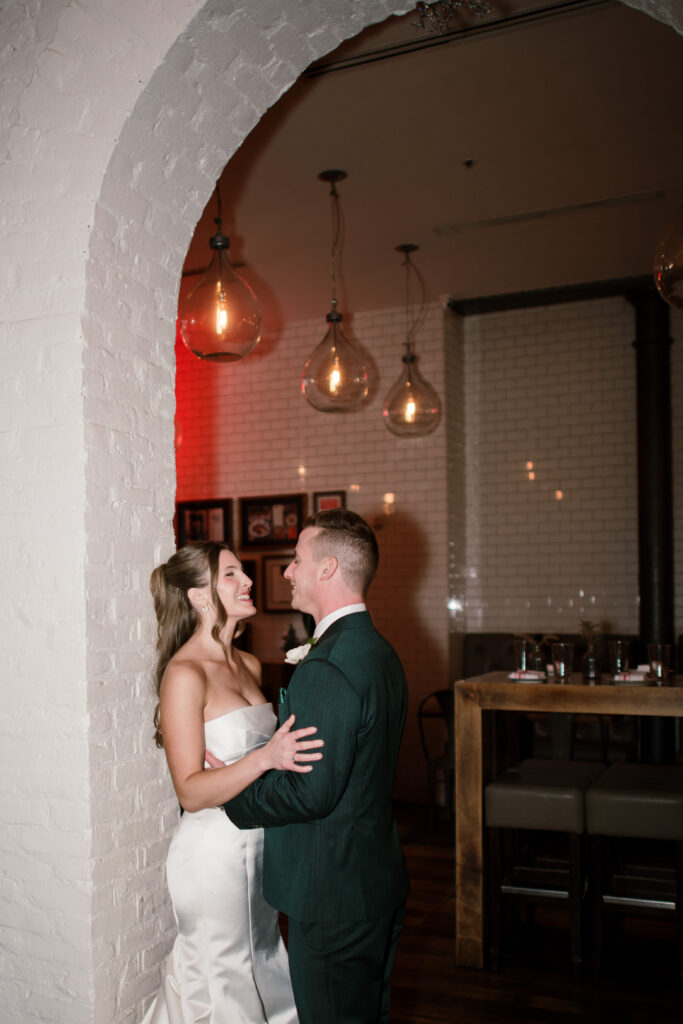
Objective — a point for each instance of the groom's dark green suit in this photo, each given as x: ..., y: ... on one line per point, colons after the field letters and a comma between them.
x: 332, y: 853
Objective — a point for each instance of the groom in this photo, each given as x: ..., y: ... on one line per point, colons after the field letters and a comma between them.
x: 332, y: 859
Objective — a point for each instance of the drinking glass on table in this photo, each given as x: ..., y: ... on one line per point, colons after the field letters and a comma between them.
x: 659, y: 656
x: 537, y: 659
x: 563, y: 661
x: 618, y: 656
x: 521, y: 655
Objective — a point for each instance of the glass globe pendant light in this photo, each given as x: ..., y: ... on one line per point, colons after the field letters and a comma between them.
x: 220, y: 319
x: 668, y: 265
x: 412, y: 407
x: 334, y: 378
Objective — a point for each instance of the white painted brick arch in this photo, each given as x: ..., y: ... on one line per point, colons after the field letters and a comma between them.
x: 213, y: 85
x: 116, y: 120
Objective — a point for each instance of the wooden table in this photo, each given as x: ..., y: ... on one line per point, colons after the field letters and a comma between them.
x: 493, y: 692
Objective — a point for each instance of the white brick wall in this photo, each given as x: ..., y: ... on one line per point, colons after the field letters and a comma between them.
x: 114, y: 130
x: 556, y: 387
x: 57, y: 135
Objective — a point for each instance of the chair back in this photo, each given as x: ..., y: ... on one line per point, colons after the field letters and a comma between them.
x: 439, y: 704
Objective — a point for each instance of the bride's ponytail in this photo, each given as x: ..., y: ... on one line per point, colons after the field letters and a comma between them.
x: 195, y: 565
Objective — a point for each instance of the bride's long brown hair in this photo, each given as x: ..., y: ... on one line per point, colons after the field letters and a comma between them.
x: 194, y: 565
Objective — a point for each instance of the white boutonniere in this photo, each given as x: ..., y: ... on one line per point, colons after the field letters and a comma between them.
x: 296, y: 654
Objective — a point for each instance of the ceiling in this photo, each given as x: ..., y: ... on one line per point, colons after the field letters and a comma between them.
x: 539, y: 148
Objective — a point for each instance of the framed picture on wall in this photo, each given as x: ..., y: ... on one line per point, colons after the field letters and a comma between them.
x: 323, y: 500
x: 204, y: 520
x: 277, y: 591
x: 271, y: 521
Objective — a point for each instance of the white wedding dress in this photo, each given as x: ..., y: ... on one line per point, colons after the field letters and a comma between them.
x: 228, y: 964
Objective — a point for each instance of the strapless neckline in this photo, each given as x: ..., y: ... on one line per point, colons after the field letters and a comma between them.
x: 244, y: 707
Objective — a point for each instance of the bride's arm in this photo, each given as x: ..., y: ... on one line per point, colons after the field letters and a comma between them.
x: 182, y: 726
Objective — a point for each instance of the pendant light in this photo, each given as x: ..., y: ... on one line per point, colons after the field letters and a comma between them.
x: 668, y: 264
x: 220, y: 320
x: 412, y: 407
x: 334, y: 378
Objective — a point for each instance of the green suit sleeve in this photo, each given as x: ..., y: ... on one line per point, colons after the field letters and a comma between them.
x: 319, y: 695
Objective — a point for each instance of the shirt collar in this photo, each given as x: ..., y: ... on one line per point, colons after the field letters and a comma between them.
x: 348, y: 609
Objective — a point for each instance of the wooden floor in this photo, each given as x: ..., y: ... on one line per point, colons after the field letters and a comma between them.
x: 536, y: 986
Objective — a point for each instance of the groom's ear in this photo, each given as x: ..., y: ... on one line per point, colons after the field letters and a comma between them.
x: 328, y: 567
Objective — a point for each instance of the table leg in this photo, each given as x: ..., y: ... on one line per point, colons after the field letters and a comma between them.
x: 469, y: 857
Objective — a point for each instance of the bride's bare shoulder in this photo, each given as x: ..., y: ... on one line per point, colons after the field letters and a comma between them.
x: 186, y: 671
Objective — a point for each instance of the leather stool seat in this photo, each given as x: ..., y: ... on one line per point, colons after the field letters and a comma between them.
x: 539, y: 795
x: 637, y: 802
x: 640, y: 800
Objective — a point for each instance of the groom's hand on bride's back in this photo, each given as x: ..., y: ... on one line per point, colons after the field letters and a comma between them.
x: 286, y: 749
x: 215, y: 762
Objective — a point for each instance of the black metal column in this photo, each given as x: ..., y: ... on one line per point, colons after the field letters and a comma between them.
x: 655, y: 496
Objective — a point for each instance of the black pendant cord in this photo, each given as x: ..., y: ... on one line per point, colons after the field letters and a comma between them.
x: 219, y: 240
x: 412, y: 321
x: 338, y: 226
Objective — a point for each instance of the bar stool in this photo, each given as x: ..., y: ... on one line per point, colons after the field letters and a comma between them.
x: 439, y: 753
x: 538, y: 795
x: 635, y: 801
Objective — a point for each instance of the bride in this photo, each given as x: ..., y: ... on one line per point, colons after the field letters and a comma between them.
x: 228, y: 964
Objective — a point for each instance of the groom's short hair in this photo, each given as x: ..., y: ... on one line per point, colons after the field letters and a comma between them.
x: 346, y: 535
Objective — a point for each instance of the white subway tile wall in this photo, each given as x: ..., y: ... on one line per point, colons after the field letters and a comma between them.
x: 551, y: 468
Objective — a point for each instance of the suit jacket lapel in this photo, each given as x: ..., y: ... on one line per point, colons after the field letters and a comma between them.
x: 353, y: 621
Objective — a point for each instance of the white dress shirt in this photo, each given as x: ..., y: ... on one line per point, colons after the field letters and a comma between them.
x: 348, y: 609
